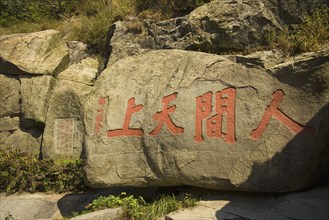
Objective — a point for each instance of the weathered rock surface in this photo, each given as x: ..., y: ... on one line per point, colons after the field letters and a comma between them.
x: 83, y: 72
x: 28, y: 206
x: 107, y: 214
x: 9, y: 123
x: 77, y: 51
x: 200, y: 119
x: 64, y: 130
x: 35, y: 92
x: 216, y: 27
x: 311, y: 204
x: 9, y: 96
x: 124, y: 43
x: 39, y: 53
x: 22, y: 141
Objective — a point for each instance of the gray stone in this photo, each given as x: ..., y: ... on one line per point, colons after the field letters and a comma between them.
x: 77, y: 51
x: 193, y: 93
x: 9, y: 96
x: 83, y: 72
x: 35, y: 92
x: 63, y: 136
x: 9, y: 123
x: 217, y: 27
x: 30, y: 206
x: 107, y: 214
x: 124, y: 43
x: 39, y: 53
x: 311, y: 204
x: 260, y: 59
x: 22, y: 141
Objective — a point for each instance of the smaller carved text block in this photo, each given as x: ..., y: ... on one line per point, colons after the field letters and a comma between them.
x: 64, y: 135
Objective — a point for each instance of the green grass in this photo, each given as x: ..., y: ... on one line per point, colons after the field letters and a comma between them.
x: 137, y: 208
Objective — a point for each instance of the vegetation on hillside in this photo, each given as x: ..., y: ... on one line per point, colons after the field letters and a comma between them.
x: 89, y: 21
x: 307, y: 36
x: 86, y: 21
x: 137, y: 208
x: 21, y: 172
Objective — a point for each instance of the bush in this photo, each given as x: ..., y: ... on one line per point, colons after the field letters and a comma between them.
x: 307, y: 36
x: 15, y: 11
x: 25, y: 173
x: 138, y: 208
x: 170, y: 8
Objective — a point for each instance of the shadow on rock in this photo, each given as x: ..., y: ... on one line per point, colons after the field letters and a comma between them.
x: 302, y: 164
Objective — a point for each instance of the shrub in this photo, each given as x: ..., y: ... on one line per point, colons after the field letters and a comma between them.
x: 25, y: 173
x: 304, y: 37
x: 138, y: 208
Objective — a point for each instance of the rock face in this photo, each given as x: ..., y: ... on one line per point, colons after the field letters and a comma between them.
x: 9, y: 96
x: 38, y: 53
x: 63, y: 135
x: 44, y: 84
x: 35, y: 92
x: 200, y: 119
x: 216, y: 27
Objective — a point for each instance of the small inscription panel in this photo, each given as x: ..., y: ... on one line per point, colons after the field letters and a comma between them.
x: 64, y: 135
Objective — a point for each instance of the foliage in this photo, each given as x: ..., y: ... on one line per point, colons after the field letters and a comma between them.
x: 138, y: 208
x: 307, y: 36
x: 25, y: 173
x: 14, y: 11
x: 95, y: 15
x: 170, y: 8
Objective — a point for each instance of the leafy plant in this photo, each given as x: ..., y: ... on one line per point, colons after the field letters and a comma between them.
x: 25, y: 173
x: 138, y: 208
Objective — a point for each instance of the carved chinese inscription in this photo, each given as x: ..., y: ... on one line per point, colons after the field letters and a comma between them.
x: 225, y: 107
x: 164, y: 118
x: 64, y: 135
x: 218, y: 120
x: 273, y: 111
x: 126, y: 131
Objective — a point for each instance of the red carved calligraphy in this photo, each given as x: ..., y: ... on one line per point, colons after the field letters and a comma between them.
x: 126, y: 131
x: 225, y: 107
x: 203, y: 110
x: 164, y: 118
x: 100, y: 115
x: 273, y: 111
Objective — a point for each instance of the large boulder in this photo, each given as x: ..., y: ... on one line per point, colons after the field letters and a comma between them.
x: 64, y: 130
x: 25, y: 142
x: 205, y: 120
x: 38, y: 53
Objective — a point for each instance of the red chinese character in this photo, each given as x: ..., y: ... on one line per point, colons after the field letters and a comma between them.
x: 225, y: 106
x: 273, y: 111
x: 126, y: 131
x: 164, y: 118
x: 203, y: 110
